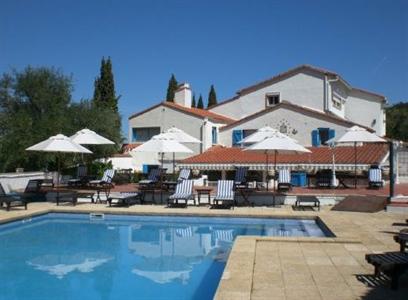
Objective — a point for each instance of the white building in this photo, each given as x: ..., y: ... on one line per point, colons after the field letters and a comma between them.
x: 310, y: 104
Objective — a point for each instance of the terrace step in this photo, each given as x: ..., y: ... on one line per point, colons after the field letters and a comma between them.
x: 400, y: 206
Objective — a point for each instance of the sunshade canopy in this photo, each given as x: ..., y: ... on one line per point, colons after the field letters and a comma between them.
x: 359, y: 135
x: 89, y: 137
x: 163, y: 144
x: 58, y: 143
x: 180, y: 136
x: 261, y: 134
x: 279, y: 143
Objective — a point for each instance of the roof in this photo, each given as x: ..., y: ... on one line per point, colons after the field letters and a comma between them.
x: 288, y: 73
x: 128, y: 147
x: 301, y: 109
x: 372, y: 153
x: 197, y: 112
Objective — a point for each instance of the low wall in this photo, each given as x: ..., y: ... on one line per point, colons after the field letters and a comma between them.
x: 18, y: 181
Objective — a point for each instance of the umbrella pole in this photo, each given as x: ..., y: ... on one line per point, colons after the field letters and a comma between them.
x: 267, y: 165
x: 58, y: 176
x: 355, y: 165
x: 161, y: 178
x: 174, y: 164
x: 274, y: 181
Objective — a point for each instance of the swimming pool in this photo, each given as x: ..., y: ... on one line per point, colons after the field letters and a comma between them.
x: 71, y: 256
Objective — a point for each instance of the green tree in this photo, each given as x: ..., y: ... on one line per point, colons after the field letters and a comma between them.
x: 104, y: 93
x: 397, y: 121
x: 171, y: 89
x: 212, y: 97
x: 200, y: 103
x: 193, y: 101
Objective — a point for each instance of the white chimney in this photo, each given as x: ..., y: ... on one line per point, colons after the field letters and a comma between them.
x: 183, y: 95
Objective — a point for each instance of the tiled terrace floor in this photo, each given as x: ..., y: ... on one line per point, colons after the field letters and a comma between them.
x: 286, y: 268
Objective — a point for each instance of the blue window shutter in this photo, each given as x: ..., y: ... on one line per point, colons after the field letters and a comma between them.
x: 134, y: 135
x: 237, y: 136
x: 332, y: 133
x: 145, y: 169
x: 315, y: 138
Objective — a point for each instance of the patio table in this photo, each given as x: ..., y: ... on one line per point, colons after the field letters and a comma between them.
x: 203, y: 191
x: 245, y: 192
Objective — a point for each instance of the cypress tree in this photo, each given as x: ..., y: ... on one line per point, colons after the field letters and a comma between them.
x: 212, y: 97
x: 200, y: 103
x: 104, y: 93
x: 171, y: 89
x: 193, y: 101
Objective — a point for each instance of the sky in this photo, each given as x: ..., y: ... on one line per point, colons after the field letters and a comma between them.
x: 230, y: 43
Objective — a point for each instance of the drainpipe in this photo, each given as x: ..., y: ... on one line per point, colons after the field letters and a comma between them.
x: 204, y: 135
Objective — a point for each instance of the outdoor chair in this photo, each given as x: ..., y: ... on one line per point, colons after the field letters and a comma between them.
x: 152, y: 178
x: 225, y: 193
x: 184, y: 191
x: 375, y: 178
x: 125, y: 198
x: 105, y: 180
x: 324, y: 178
x: 240, y: 177
x: 184, y: 174
x: 81, y: 177
x: 11, y: 199
x: 284, y: 180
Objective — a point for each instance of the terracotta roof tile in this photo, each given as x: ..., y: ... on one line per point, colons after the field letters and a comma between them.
x: 366, y: 154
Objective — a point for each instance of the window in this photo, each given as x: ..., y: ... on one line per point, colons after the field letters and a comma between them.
x: 143, y: 134
x: 321, y: 135
x: 239, y: 134
x: 248, y: 132
x: 214, y: 135
x: 272, y: 99
x: 337, y: 101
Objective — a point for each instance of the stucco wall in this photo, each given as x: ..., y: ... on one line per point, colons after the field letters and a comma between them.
x: 363, y: 109
x: 302, y: 124
x: 304, y: 88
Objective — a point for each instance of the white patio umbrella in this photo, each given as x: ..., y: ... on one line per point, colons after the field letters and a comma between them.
x: 59, y: 144
x: 261, y: 134
x: 162, y: 144
x: 89, y: 137
x: 356, y: 135
x: 181, y: 137
x: 278, y: 143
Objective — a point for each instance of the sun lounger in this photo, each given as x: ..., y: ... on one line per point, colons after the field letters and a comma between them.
x: 184, y: 191
x: 375, y: 178
x: 240, y: 176
x: 105, y: 180
x: 81, y: 178
x: 225, y: 193
x: 324, y: 178
x: 284, y: 182
x: 124, y: 198
x: 152, y: 178
x: 393, y: 264
x: 11, y: 200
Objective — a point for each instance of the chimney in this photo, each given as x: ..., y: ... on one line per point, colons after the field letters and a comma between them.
x: 183, y: 95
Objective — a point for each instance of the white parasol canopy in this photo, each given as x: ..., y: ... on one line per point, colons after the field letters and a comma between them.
x: 89, y: 137
x: 59, y: 143
x: 162, y: 144
x: 263, y: 133
x: 180, y: 136
x: 356, y: 135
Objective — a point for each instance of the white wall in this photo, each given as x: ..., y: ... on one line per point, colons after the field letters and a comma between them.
x: 304, y: 88
x: 363, y: 109
x: 302, y: 123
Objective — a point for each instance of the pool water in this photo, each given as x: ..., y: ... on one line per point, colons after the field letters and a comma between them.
x: 70, y: 256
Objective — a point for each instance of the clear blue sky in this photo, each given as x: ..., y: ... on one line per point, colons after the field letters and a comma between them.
x: 230, y: 44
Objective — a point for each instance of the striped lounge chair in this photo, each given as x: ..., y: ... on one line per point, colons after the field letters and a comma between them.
x: 240, y: 176
x: 152, y: 178
x: 105, y: 180
x: 375, y: 178
x: 81, y: 175
x: 184, y: 191
x: 125, y: 198
x: 225, y: 193
x: 184, y: 175
x: 12, y: 199
x: 284, y: 180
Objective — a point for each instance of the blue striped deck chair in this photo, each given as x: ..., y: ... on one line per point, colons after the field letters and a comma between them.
x: 184, y: 191
x: 106, y: 178
x: 225, y: 193
x: 184, y: 174
x: 81, y: 174
x: 240, y: 176
x: 152, y: 178
x: 284, y: 180
x: 375, y: 178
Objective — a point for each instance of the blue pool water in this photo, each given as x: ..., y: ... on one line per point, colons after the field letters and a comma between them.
x: 69, y: 256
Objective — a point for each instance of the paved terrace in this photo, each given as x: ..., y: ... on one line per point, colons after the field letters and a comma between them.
x: 285, y: 268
